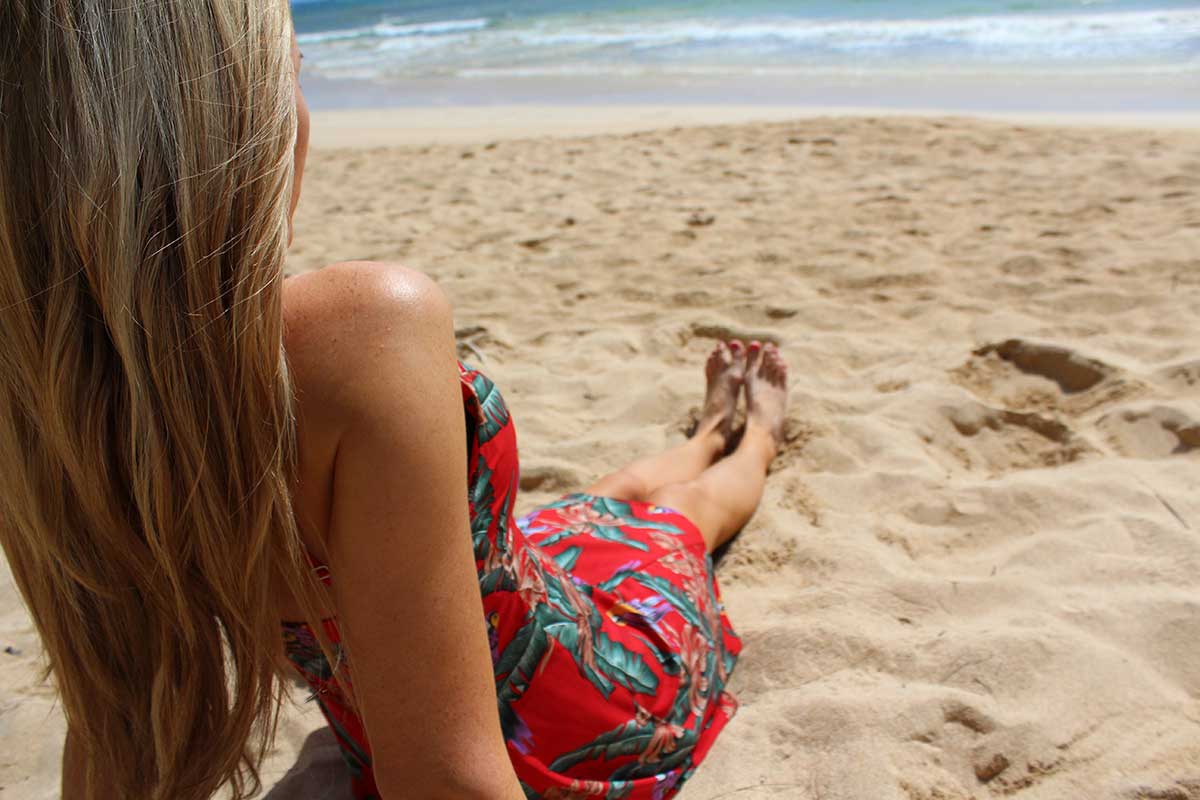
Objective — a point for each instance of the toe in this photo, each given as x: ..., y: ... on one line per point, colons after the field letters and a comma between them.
x: 719, y: 356
x: 737, y: 355
x: 778, y: 369
x: 754, y: 356
x: 771, y: 364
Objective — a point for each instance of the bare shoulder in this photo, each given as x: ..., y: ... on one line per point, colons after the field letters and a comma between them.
x: 345, y: 318
x: 360, y: 339
x: 347, y: 303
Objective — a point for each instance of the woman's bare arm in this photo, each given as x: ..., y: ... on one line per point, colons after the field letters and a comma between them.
x: 405, y: 586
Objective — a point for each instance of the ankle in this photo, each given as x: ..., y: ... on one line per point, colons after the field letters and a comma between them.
x: 709, y: 436
x: 762, y: 439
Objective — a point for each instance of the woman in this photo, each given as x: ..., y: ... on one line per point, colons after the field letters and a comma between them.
x: 192, y: 452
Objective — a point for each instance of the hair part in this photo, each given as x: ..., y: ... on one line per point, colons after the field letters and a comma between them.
x: 147, y: 432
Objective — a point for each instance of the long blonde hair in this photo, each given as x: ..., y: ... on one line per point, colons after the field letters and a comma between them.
x: 147, y: 436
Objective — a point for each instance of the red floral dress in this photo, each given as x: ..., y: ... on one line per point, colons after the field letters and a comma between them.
x: 610, y: 647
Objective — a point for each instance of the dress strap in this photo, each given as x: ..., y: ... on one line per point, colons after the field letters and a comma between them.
x: 320, y: 570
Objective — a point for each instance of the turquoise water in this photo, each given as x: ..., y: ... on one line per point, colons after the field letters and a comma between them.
x: 400, y: 42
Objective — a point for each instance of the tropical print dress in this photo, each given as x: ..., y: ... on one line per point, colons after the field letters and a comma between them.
x: 610, y: 647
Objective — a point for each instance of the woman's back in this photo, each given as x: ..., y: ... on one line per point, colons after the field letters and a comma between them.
x: 382, y: 502
x: 316, y: 308
x: 608, y: 645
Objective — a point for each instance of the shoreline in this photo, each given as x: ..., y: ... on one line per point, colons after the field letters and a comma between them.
x: 470, y: 124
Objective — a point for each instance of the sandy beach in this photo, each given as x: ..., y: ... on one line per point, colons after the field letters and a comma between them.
x: 974, y: 571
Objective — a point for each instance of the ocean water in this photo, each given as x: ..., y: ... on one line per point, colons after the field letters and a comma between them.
x: 452, y: 45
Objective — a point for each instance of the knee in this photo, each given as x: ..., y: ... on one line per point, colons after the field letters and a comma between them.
x: 684, y: 497
x: 694, y: 502
x: 623, y: 485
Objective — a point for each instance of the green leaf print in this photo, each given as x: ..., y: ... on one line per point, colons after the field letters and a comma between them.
x: 729, y: 661
x: 604, y: 532
x: 498, y: 580
x: 505, y: 506
x: 624, y: 666
x: 569, y: 604
x: 614, y: 663
x: 627, y: 740
x: 651, y: 525
x: 616, y: 580
x: 481, y: 502
x: 618, y: 508
x: 669, y: 591
x: 624, y: 512
x: 567, y: 558
x: 495, y: 413
x: 530, y: 638
x: 613, y: 534
x: 676, y: 597
x: 566, y: 633
x: 517, y: 664
x: 681, y: 709
x: 510, y: 723
x: 681, y: 755
x: 667, y: 659
x: 618, y: 790
x: 611, y: 505
x: 555, y: 538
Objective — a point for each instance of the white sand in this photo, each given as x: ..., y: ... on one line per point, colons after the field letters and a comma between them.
x: 974, y: 573
x: 385, y: 127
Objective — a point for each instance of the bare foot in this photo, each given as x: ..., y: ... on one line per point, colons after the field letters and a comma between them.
x: 724, y: 371
x: 766, y: 390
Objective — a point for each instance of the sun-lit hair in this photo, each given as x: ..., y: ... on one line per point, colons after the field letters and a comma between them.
x: 147, y: 436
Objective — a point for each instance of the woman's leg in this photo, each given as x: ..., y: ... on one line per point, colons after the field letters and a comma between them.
x: 722, y: 498
x: 724, y: 371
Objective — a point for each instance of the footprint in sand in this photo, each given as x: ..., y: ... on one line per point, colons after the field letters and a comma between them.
x: 724, y: 333
x: 1152, y: 431
x: 998, y: 440
x: 1070, y: 370
x: 1007, y: 759
x: 1183, y: 376
x: 1027, y: 375
x: 967, y: 716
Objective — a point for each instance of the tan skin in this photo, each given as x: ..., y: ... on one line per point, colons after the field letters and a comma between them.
x: 382, y: 501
